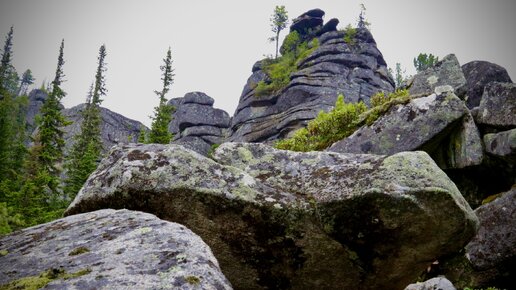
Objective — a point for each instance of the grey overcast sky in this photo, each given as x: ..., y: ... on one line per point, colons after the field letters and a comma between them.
x: 215, y: 43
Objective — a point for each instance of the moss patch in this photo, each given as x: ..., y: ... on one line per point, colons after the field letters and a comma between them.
x: 40, y: 281
x: 78, y: 251
x: 194, y: 280
x: 3, y: 253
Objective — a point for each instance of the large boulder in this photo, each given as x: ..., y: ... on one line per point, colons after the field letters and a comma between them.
x: 196, y: 124
x: 287, y: 220
x: 478, y: 74
x: 439, y: 124
x: 489, y: 259
x: 108, y: 249
x: 502, y: 145
x: 446, y: 72
x: 438, y: 283
x: 497, y: 108
x: 309, y: 21
x: 355, y: 70
x: 115, y: 128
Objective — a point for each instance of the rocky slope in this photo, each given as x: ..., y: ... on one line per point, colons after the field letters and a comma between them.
x: 108, y: 249
x: 285, y: 220
x: 357, y: 70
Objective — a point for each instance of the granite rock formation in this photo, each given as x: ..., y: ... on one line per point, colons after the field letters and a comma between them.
x: 479, y: 74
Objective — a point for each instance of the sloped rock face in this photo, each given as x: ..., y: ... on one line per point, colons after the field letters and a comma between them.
x: 439, y: 124
x: 36, y: 100
x: 478, y: 74
x: 445, y: 73
x: 497, y: 108
x: 502, y: 145
x: 109, y: 249
x: 115, y: 128
x: 490, y: 258
x: 196, y: 124
x: 285, y: 220
x: 355, y: 70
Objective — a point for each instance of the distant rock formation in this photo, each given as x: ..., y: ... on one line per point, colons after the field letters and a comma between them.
x: 286, y: 220
x: 115, y: 128
x: 108, y: 249
x: 355, y: 70
x: 196, y: 124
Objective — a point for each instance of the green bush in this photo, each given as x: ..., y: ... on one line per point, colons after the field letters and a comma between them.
x: 350, y: 34
x: 342, y: 121
x: 279, y: 70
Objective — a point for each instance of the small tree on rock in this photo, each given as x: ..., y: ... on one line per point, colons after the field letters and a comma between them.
x: 163, y: 113
x: 279, y: 20
x: 424, y: 61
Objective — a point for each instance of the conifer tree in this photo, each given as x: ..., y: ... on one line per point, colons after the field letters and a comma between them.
x: 50, y: 132
x: 163, y: 113
x: 142, y: 135
x: 279, y: 20
x: 88, y: 144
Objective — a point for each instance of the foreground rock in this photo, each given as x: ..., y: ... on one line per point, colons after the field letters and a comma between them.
x: 108, y: 249
x: 196, y: 124
x: 478, y: 74
x: 439, y: 124
x: 115, y: 128
x: 490, y: 257
x: 286, y: 220
x: 357, y: 70
x: 439, y: 283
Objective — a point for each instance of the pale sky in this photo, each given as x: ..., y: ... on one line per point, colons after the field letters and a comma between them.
x: 215, y: 43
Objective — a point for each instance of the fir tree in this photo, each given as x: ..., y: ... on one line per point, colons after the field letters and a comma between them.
x: 26, y: 80
x: 82, y: 160
x: 142, y: 137
x: 279, y: 21
x: 163, y: 113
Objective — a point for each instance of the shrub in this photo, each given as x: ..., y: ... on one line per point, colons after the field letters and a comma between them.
x: 341, y: 122
x: 279, y: 70
x: 350, y: 34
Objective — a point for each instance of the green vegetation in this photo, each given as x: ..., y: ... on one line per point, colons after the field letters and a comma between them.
x: 399, y: 75
x: 163, y: 113
x: 279, y: 70
x: 424, y: 61
x: 279, y: 20
x: 86, y: 151
x: 40, y: 281
x: 350, y: 34
x: 342, y: 121
x: 362, y: 21
x: 78, y: 251
x: 193, y: 280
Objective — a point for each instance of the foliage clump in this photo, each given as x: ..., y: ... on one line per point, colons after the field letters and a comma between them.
x: 424, y: 61
x: 350, y: 34
x: 341, y: 122
x: 278, y: 70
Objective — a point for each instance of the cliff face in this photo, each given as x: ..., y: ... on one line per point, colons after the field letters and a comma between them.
x: 353, y: 67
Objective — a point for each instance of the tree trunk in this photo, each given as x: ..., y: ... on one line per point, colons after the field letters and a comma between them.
x: 277, y: 43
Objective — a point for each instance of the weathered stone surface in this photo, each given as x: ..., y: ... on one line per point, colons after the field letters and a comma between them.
x: 357, y: 71
x: 329, y: 26
x: 310, y: 20
x: 196, y: 121
x: 502, y: 144
x: 438, y: 283
x: 36, y: 100
x: 115, y: 128
x: 446, y: 72
x: 490, y: 258
x: 438, y: 124
x: 498, y: 106
x: 478, y: 74
x: 278, y: 219
x: 109, y: 249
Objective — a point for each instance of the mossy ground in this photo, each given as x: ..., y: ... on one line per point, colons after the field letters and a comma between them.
x: 40, y: 281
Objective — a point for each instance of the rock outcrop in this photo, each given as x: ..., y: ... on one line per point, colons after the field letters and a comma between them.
x: 479, y: 74
x: 502, y: 145
x: 36, y: 100
x: 356, y: 69
x: 444, y: 74
x: 115, y: 128
x: 497, y: 108
x: 286, y: 220
x: 196, y: 124
x: 108, y: 249
x: 490, y: 258
x: 439, y: 124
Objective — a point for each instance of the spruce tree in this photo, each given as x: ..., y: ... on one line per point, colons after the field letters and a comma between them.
x: 82, y: 160
x: 279, y: 21
x: 50, y: 132
x: 163, y: 113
